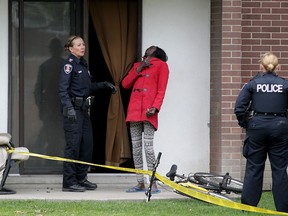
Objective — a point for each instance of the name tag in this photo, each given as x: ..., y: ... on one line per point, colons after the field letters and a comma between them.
x: 277, y: 88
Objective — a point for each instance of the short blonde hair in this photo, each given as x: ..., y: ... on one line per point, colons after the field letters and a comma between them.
x: 70, y: 42
x: 269, y: 61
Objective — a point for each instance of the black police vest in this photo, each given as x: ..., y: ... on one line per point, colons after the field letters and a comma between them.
x: 269, y: 95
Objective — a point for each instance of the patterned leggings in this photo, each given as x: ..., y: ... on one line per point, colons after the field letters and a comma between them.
x: 136, y: 129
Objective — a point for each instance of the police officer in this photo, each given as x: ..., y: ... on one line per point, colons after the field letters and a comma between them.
x: 266, y: 133
x: 75, y: 88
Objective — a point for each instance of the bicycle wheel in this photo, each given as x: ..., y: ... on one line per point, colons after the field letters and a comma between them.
x: 192, y: 179
x: 224, y: 182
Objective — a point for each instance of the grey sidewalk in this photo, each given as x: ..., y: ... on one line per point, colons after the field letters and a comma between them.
x: 110, y: 187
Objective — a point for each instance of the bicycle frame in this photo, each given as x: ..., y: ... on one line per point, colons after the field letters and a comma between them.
x: 148, y: 192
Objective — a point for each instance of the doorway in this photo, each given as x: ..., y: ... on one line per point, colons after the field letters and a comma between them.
x: 105, y: 67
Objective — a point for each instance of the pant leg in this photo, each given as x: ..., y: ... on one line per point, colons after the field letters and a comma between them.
x: 255, y: 151
x: 136, y: 137
x: 73, y: 136
x: 86, y: 147
x: 278, y: 152
x: 148, y: 145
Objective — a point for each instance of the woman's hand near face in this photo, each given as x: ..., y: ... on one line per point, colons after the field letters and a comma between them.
x: 145, y: 63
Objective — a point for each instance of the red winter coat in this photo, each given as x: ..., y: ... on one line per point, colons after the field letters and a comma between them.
x: 148, y: 91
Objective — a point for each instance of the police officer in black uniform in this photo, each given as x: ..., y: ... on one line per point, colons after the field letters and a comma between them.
x: 266, y: 133
x: 75, y: 88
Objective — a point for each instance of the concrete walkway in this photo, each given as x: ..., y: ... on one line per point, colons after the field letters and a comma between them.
x: 110, y: 187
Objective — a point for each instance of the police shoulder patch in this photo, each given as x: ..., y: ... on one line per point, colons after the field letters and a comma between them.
x: 68, y: 68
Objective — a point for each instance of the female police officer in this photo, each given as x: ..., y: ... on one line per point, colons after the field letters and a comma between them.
x: 266, y: 133
x: 75, y: 88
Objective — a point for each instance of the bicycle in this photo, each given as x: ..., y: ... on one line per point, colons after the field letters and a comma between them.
x: 148, y: 193
x: 9, y: 154
x: 215, y: 185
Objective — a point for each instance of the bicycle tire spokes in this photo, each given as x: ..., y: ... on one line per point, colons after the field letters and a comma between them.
x: 222, y: 182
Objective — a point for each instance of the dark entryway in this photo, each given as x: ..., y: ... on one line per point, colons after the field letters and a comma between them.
x: 120, y: 41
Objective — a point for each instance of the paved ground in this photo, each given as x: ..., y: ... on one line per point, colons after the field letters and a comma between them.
x: 110, y: 187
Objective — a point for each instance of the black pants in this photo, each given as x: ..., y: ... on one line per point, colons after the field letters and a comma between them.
x: 266, y: 135
x: 79, y: 146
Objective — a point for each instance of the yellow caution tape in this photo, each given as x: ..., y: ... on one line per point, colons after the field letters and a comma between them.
x: 193, y: 186
x: 200, y: 195
x: 215, y: 200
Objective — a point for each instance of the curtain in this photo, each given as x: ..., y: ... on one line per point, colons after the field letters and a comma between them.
x: 115, y: 23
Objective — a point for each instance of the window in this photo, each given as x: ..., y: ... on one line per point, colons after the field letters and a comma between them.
x: 38, y: 31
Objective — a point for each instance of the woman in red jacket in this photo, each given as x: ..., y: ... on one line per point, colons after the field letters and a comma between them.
x: 148, y: 79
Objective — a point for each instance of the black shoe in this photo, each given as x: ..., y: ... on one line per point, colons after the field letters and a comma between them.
x: 88, y: 185
x: 74, y: 188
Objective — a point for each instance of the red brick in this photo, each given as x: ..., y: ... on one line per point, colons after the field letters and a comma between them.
x: 270, y: 4
x: 284, y: 16
x: 284, y: 4
x: 251, y: 29
x: 280, y: 10
x: 261, y: 10
x: 226, y: 28
x: 271, y: 17
x: 279, y: 23
x: 251, y: 17
x: 231, y: 22
x: 261, y: 23
x: 250, y: 54
x: 246, y: 35
x: 230, y: 47
x: 246, y: 22
x: 250, y: 4
x: 236, y: 67
x: 284, y: 42
x: 261, y: 48
x: 270, y: 29
x: 245, y: 61
x: 250, y: 67
x: 236, y: 16
x: 246, y: 10
x: 236, y: 3
x: 227, y: 16
x: 279, y: 35
x: 251, y: 42
x: 280, y: 48
x: 270, y: 42
x: 261, y: 35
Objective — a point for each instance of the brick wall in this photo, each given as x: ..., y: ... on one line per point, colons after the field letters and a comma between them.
x: 248, y: 29
x: 215, y: 86
x: 225, y: 136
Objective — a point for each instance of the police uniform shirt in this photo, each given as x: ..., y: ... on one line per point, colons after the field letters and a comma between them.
x: 75, y: 80
x: 268, y: 94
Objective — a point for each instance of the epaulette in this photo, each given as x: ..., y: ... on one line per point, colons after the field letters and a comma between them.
x: 70, y: 60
